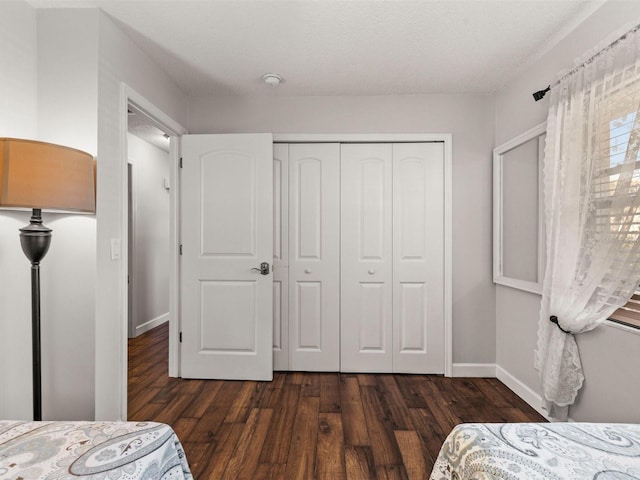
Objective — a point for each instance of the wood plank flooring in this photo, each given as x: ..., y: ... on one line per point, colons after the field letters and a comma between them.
x: 311, y: 425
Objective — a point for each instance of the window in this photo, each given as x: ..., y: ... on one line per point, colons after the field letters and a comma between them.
x: 629, y: 314
x: 620, y: 131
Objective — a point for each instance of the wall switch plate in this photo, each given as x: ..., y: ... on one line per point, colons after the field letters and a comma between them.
x: 116, y: 251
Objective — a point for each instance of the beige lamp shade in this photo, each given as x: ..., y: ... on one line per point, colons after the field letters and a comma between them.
x: 46, y: 176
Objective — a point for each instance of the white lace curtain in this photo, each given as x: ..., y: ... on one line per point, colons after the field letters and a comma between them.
x: 592, y: 211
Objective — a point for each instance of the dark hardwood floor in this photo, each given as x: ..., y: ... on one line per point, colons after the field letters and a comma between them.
x: 311, y: 425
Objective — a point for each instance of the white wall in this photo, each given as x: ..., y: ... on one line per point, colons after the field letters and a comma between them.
x: 54, y: 82
x: 68, y: 115
x: 150, y: 272
x: 65, y: 88
x: 120, y: 60
x: 610, y: 356
x: 17, y: 119
x: 465, y: 116
x: 18, y: 73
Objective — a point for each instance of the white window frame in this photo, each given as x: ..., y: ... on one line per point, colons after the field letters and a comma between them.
x: 498, y: 207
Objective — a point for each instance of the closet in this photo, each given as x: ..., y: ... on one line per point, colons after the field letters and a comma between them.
x: 359, y: 257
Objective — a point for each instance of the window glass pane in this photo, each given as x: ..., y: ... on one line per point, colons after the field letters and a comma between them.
x: 619, y: 134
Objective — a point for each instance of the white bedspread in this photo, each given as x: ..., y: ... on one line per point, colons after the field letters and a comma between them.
x: 90, y: 450
x: 540, y: 451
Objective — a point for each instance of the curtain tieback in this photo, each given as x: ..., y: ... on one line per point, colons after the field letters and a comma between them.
x: 554, y: 319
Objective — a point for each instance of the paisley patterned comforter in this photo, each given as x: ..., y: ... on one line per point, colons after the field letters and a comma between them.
x: 540, y: 451
x: 90, y: 450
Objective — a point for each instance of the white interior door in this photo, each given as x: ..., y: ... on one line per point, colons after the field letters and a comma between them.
x: 366, y: 258
x: 418, y: 251
x: 314, y: 259
x: 226, y: 233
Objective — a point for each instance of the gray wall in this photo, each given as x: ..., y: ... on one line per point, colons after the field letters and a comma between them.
x: 610, y: 355
x: 150, y: 268
x: 520, y: 212
x: 465, y: 116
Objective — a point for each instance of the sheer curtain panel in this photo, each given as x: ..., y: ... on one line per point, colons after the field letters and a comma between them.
x: 592, y: 211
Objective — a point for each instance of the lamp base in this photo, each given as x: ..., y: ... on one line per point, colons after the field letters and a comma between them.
x: 35, y: 240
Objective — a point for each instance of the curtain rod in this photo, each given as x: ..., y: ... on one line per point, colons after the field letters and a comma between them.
x: 539, y: 95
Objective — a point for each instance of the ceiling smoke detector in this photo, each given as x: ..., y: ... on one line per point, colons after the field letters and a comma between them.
x: 272, y: 79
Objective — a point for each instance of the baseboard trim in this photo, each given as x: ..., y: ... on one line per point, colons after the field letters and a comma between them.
x: 146, y: 326
x: 481, y: 370
x: 522, y: 390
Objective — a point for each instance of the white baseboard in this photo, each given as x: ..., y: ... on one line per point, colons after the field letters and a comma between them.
x: 523, y: 391
x: 483, y: 370
x: 146, y: 326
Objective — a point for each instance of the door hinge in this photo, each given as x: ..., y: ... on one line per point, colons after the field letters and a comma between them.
x: 180, y: 249
x: 180, y: 337
x: 180, y: 162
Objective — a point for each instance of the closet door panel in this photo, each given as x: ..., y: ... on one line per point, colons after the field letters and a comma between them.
x: 314, y: 262
x: 308, y: 200
x: 372, y: 321
x: 412, y: 317
x: 418, y: 239
x: 280, y: 321
x: 280, y: 204
x: 309, y: 316
x: 366, y: 258
x: 280, y: 257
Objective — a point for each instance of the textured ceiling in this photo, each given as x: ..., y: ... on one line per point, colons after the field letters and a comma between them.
x: 328, y: 47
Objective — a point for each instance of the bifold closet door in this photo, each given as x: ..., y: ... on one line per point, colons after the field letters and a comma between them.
x: 418, y: 257
x: 392, y: 258
x: 314, y: 260
x: 366, y: 258
x: 280, y: 257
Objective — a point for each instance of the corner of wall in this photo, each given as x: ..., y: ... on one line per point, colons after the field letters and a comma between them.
x: 67, y: 62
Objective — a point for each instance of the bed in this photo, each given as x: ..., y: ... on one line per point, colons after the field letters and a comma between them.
x: 540, y: 451
x: 90, y: 450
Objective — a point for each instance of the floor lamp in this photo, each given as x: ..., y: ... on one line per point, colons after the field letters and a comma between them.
x: 41, y: 175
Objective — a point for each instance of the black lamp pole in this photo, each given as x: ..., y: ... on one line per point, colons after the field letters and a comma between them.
x: 35, y: 239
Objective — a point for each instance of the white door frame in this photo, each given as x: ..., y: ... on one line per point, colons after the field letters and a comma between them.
x: 447, y: 140
x: 129, y: 98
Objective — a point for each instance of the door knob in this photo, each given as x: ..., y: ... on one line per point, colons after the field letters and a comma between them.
x: 371, y: 271
x: 307, y: 270
x: 264, y: 268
